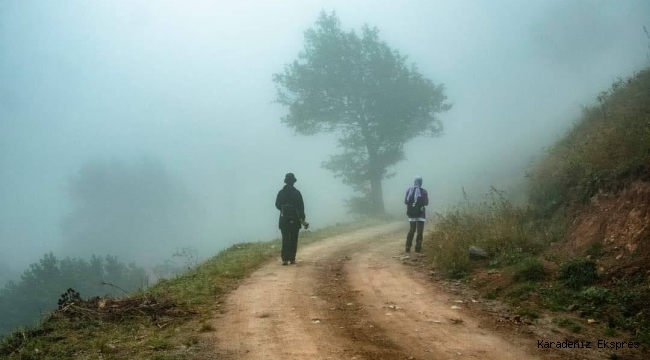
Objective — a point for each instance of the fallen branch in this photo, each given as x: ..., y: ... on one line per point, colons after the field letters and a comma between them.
x: 111, y: 309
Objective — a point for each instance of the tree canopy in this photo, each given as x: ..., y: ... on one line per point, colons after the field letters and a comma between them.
x: 364, y: 91
x: 24, y: 301
x: 131, y: 209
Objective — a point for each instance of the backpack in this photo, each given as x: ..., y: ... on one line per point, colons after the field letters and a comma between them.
x: 414, y: 208
x: 289, y: 213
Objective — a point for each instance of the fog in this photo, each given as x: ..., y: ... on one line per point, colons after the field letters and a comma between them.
x: 185, y: 87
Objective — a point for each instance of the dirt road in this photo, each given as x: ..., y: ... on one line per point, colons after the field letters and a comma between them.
x: 350, y: 297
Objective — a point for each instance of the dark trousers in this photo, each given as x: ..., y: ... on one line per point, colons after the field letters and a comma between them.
x: 289, y: 244
x: 419, y: 225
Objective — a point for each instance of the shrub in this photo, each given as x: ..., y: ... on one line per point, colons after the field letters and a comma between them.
x: 530, y: 270
x: 577, y: 273
x: 595, y: 295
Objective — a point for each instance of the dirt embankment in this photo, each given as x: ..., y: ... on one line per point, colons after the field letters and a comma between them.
x: 619, y: 225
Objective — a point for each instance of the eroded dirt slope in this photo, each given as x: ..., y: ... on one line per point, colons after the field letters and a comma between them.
x: 621, y: 223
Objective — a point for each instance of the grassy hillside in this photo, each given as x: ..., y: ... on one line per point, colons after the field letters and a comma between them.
x: 607, y: 149
x: 162, y: 322
x: 579, y: 248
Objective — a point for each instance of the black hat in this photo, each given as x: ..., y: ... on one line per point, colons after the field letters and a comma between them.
x: 290, y: 178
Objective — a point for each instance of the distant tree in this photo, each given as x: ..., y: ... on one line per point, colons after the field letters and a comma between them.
x: 366, y: 93
x: 23, y: 302
x: 134, y: 210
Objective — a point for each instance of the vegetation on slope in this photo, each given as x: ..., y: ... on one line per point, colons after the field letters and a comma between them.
x: 92, y: 331
x: 605, y: 151
x: 579, y: 245
x: 23, y: 301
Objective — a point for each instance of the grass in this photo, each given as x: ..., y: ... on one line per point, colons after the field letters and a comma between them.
x: 607, y: 149
x: 511, y: 234
x: 532, y: 314
x: 513, y: 237
x: 197, y: 290
x: 604, y: 151
x: 568, y: 324
x: 556, y: 298
x: 206, y: 327
x: 521, y: 292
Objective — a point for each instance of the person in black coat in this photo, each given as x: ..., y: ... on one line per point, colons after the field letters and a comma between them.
x: 292, y: 216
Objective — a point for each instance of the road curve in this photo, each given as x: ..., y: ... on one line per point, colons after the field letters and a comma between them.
x: 349, y: 297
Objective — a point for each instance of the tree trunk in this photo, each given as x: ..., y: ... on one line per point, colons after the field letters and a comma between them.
x: 374, y: 171
x: 376, y: 192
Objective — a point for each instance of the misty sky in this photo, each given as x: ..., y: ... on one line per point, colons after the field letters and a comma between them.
x: 189, y: 84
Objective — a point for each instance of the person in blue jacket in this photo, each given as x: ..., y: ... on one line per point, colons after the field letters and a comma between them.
x: 415, y: 200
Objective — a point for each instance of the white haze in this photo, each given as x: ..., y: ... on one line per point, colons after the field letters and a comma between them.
x: 188, y: 83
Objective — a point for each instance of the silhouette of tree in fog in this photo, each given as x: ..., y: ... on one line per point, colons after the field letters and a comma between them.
x: 365, y: 92
x: 22, y: 302
x: 130, y: 210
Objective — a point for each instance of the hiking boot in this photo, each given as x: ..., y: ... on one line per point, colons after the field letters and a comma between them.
x: 292, y: 262
x: 284, y: 263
